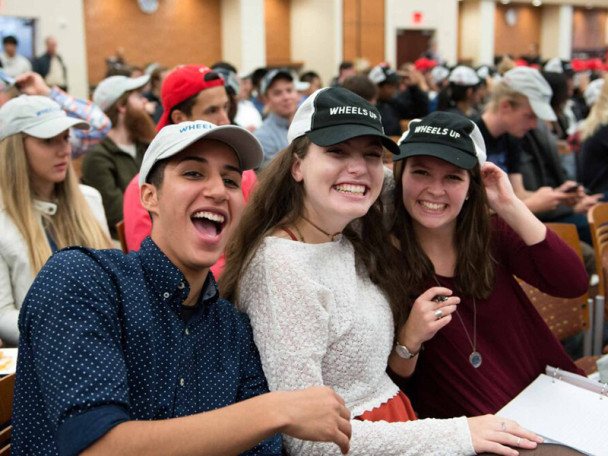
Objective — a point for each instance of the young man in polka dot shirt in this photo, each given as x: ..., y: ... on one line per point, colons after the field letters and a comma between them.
x: 137, y: 354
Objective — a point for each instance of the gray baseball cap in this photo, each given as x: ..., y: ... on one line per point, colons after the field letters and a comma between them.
x: 174, y: 138
x: 530, y: 83
x: 111, y: 89
x: 36, y: 116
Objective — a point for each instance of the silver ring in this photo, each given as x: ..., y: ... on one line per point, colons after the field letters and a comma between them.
x: 518, y: 441
x: 438, y: 314
x: 503, y: 426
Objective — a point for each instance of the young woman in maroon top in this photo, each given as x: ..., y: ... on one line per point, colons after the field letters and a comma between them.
x: 483, y: 341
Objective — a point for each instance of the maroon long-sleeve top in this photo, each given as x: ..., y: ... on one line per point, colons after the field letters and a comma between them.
x: 512, y: 338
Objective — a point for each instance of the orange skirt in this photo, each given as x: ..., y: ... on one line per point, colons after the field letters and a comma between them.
x: 396, y: 409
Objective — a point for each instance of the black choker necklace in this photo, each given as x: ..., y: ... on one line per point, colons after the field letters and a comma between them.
x: 331, y: 237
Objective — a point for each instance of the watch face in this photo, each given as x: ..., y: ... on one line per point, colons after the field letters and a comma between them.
x: 403, y: 351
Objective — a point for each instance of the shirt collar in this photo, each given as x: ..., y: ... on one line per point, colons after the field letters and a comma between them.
x: 167, y: 281
x: 280, y: 121
x: 45, y: 207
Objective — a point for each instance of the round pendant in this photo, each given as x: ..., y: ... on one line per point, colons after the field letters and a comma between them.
x: 475, y: 359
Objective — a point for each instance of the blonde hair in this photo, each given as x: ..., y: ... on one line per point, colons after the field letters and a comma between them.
x: 73, y: 223
x: 598, y: 115
x: 502, y: 91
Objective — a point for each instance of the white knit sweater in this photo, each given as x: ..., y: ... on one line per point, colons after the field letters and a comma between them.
x: 317, y: 320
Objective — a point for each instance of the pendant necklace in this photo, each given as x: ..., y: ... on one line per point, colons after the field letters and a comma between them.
x: 475, y: 357
x: 332, y: 237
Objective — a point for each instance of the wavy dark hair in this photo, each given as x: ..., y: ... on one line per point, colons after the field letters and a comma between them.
x: 474, y: 273
x: 278, y: 201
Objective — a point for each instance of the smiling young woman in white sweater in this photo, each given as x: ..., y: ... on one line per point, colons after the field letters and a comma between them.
x: 308, y: 281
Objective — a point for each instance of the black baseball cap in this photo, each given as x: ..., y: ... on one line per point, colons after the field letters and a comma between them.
x: 333, y: 115
x: 445, y: 135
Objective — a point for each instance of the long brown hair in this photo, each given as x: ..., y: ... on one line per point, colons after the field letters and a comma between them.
x: 72, y: 224
x: 474, y: 273
x: 278, y: 201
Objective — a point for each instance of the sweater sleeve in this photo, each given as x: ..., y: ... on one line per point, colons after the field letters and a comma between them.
x: 290, y: 315
x: 9, y: 314
x: 552, y: 266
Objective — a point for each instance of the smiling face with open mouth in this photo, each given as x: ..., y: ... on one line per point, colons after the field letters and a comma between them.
x: 341, y: 181
x: 433, y: 192
x: 197, y: 205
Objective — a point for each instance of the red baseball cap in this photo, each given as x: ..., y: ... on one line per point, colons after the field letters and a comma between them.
x: 185, y: 82
x: 424, y: 64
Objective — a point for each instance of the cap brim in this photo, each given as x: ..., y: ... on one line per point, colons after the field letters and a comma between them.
x: 335, y: 134
x: 446, y: 153
x: 543, y: 110
x: 138, y: 83
x: 53, y: 127
x: 163, y: 121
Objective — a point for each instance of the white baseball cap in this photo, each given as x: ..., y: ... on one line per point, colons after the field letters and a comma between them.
x: 593, y: 90
x: 174, y: 138
x: 439, y: 74
x: 36, y: 116
x: 111, y: 89
x: 530, y: 83
x: 464, y: 76
x: 554, y: 66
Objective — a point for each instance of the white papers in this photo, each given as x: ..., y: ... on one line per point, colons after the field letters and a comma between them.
x: 8, y: 361
x: 564, y: 413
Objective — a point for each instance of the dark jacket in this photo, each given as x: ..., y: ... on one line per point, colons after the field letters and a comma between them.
x: 541, y: 166
x: 42, y: 65
x: 109, y: 169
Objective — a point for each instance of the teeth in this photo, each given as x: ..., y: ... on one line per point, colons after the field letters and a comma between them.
x: 348, y: 188
x: 210, y: 216
x: 432, y: 206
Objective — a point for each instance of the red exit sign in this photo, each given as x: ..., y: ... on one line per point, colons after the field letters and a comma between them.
x: 417, y: 17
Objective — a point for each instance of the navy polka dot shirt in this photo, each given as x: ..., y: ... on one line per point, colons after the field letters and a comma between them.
x: 102, y: 342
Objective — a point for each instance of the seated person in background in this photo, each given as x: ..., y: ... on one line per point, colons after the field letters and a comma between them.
x: 484, y: 341
x: 81, y: 140
x: 138, y: 354
x: 412, y: 99
x: 387, y: 82
x: 42, y: 207
x: 594, y: 137
x: 362, y: 86
x: 110, y: 165
x: 461, y: 96
x: 309, y: 279
x: 281, y: 101
x: 516, y: 103
x: 190, y: 92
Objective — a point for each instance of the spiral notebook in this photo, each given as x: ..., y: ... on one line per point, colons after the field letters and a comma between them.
x: 564, y: 408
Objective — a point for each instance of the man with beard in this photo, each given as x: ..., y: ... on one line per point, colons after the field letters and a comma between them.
x: 110, y: 166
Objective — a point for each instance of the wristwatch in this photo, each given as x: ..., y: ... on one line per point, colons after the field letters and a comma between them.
x: 404, y: 352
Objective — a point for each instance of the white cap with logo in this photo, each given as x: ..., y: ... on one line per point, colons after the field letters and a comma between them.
x: 464, y: 76
x: 172, y: 139
x: 592, y: 92
x: 111, y: 89
x: 530, y: 83
x: 36, y: 116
